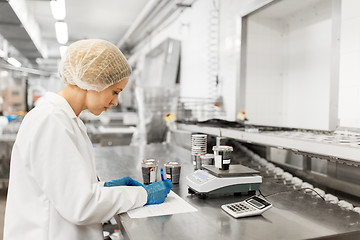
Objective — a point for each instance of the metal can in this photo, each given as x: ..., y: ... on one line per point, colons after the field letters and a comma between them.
x: 207, y: 159
x: 197, y: 161
x: 149, y: 170
x: 222, y: 156
x: 198, y: 144
x: 172, y: 170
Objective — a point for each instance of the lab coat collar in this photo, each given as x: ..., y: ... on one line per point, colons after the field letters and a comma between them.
x: 61, y: 102
x: 64, y: 105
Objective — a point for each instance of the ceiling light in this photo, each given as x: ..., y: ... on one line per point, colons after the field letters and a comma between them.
x: 62, y: 50
x: 14, y: 62
x: 58, y: 9
x: 61, y: 32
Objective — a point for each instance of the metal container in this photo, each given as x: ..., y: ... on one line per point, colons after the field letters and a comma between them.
x: 198, y: 144
x: 197, y: 161
x: 149, y: 169
x: 222, y: 156
x: 207, y: 159
x: 172, y: 170
x: 198, y: 148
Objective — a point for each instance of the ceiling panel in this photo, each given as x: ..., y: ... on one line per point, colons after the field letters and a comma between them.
x: 106, y: 19
x: 13, y: 31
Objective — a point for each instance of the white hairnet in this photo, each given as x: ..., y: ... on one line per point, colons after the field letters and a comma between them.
x: 93, y: 64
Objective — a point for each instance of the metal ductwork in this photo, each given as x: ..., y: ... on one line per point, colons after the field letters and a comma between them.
x: 12, y: 29
x: 154, y: 14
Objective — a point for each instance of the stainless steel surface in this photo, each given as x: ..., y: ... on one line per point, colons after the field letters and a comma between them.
x: 110, y: 135
x: 330, y: 174
x: 309, y: 143
x: 324, y: 180
x: 14, y: 31
x: 295, y: 214
x: 234, y: 170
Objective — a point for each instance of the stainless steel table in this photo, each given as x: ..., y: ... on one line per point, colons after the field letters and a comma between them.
x: 295, y: 214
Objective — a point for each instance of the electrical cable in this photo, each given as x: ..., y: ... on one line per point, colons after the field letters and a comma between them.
x: 293, y: 190
x: 341, y: 203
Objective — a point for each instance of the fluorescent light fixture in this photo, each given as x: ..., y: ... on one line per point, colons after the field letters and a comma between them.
x: 62, y: 50
x: 14, y: 62
x: 61, y: 30
x: 58, y: 9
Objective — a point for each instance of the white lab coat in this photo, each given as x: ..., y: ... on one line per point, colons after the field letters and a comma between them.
x: 53, y: 189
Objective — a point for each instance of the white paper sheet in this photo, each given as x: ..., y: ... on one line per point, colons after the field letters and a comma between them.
x: 173, y: 204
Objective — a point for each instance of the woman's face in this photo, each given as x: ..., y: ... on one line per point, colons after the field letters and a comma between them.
x: 97, y: 102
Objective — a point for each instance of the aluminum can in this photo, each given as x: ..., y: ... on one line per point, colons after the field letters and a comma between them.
x: 149, y: 169
x: 172, y: 170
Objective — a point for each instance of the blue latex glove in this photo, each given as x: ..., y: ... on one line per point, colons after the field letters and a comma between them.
x: 125, y: 181
x: 158, y: 191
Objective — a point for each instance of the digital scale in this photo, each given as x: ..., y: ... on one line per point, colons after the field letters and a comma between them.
x: 211, y: 180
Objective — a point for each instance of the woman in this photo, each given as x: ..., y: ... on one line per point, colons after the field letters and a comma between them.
x: 53, y: 188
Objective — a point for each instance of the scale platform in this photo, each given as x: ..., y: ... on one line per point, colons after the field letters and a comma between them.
x: 211, y: 180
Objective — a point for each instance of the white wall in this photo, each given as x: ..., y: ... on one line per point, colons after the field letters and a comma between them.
x: 306, y: 102
x: 349, y: 89
x: 192, y: 29
x: 264, y: 72
x: 288, y: 65
x: 230, y: 51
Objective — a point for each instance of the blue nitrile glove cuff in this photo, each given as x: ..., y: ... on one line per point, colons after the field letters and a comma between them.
x: 158, y: 191
x: 125, y: 181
